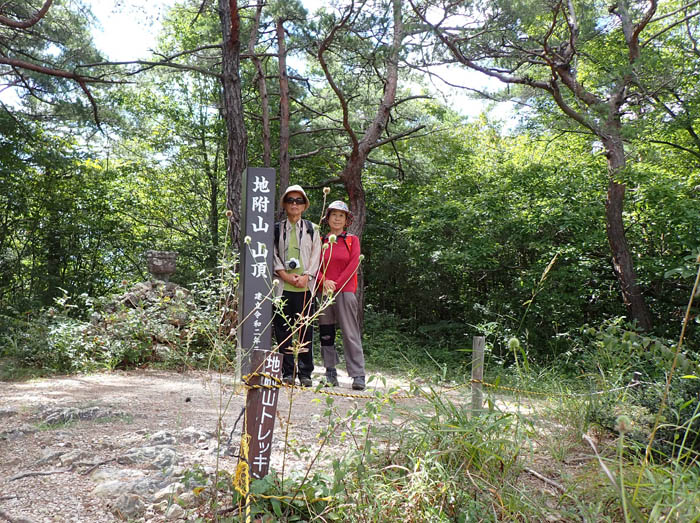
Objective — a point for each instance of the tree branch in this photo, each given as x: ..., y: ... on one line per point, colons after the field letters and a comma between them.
x: 82, y: 81
x: 319, y: 130
x: 324, y: 184
x: 325, y: 44
x: 457, y: 53
x: 27, y: 23
x: 414, y: 97
x: 669, y: 27
x: 307, y: 154
x: 396, y: 137
x: 387, y: 164
x: 677, y: 146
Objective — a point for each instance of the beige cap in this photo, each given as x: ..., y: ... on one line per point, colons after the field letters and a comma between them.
x: 295, y: 188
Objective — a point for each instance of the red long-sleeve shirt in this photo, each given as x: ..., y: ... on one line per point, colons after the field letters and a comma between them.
x: 339, y: 263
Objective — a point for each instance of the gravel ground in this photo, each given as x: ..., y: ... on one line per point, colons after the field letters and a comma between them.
x: 134, y: 406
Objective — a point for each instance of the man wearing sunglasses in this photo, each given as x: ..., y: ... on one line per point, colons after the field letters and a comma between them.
x: 296, y: 261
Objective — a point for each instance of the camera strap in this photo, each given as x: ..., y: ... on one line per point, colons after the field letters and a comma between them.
x: 283, y: 226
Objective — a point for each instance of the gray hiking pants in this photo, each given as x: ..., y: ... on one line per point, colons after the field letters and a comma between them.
x: 343, y: 313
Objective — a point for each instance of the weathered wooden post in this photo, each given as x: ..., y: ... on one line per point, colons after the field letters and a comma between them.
x: 261, y: 406
x: 478, y: 344
x: 261, y: 368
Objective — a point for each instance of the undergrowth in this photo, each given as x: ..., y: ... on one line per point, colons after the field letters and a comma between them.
x: 608, y: 432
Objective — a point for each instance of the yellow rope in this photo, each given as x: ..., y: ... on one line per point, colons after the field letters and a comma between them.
x: 241, y: 479
x: 282, y: 498
x: 402, y: 394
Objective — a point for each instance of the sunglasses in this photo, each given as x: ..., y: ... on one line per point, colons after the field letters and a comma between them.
x: 298, y: 201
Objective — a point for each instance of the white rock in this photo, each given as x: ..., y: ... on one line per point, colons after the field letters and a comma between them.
x: 110, y: 489
x: 129, y: 505
x: 71, y: 457
x: 157, y: 457
x: 111, y: 474
x: 187, y: 498
x: 162, y: 437
x: 50, y: 455
x: 175, y: 512
x: 168, y: 492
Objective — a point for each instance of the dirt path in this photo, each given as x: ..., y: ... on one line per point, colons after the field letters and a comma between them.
x: 113, y: 446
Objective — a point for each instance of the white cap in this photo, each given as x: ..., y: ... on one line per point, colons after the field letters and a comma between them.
x: 339, y: 205
x: 295, y: 188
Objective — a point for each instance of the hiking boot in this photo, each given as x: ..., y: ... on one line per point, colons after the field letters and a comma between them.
x: 358, y: 383
x: 288, y: 380
x: 305, y: 381
x: 331, y: 378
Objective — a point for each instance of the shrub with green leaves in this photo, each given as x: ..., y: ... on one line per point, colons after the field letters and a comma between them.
x: 168, y: 325
x: 618, y: 355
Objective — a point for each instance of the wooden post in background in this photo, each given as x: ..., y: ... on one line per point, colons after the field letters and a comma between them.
x: 478, y: 344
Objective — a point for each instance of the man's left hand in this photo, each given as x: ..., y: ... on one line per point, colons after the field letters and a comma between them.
x: 302, y: 281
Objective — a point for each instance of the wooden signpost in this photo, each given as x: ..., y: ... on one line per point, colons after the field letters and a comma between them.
x: 255, y: 285
x: 261, y: 406
x: 261, y: 368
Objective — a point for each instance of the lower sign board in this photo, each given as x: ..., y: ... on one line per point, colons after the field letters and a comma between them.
x: 261, y: 406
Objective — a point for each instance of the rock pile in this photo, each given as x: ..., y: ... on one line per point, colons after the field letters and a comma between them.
x: 154, y: 314
x: 139, y: 476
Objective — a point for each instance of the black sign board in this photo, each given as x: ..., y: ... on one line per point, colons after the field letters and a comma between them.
x: 256, y: 291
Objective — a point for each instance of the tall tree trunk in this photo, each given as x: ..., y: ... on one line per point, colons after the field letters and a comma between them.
x: 211, y: 172
x: 54, y: 262
x: 352, y: 178
x: 352, y: 173
x: 621, y: 256
x: 236, y: 137
x: 284, y: 108
x: 262, y: 87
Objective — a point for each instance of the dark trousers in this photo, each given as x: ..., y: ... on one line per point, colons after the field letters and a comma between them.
x: 289, y: 327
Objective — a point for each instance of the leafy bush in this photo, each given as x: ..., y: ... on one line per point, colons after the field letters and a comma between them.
x: 393, y: 343
x: 167, y: 325
x: 617, y: 355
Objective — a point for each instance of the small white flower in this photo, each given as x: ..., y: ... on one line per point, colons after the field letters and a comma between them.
x: 275, y: 282
x: 326, y: 190
x: 325, y: 246
x: 362, y: 257
x: 247, y: 240
x: 332, y: 238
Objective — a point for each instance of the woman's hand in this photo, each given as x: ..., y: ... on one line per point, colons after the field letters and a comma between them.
x: 328, y: 286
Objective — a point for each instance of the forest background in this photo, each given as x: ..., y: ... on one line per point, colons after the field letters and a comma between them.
x: 459, y: 217
x: 569, y: 237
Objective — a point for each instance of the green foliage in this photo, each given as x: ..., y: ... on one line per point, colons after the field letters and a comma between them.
x: 616, y: 355
x: 471, y: 245
x: 167, y: 326
x: 61, y: 228
x: 393, y: 344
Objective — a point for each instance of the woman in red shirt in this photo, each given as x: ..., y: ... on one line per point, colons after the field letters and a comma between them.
x: 338, y: 278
